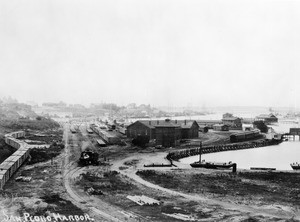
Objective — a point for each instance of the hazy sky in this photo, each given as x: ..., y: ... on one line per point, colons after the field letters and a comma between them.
x: 156, y: 52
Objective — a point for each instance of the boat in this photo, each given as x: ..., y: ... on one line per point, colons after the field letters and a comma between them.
x: 212, y: 165
x: 295, y: 166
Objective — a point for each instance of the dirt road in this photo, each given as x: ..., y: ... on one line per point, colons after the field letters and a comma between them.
x: 99, y: 210
x: 246, y: 209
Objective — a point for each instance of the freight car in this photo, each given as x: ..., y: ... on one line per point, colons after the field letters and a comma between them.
x: 12, y: 163
x: 244, y: 136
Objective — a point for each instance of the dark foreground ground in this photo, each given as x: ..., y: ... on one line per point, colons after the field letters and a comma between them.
x: 262, y: 188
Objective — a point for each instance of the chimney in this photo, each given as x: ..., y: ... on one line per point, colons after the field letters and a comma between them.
x: 157, y: 122
x: 175, y: 121
x: 149, y: 122
x: 185, y: 122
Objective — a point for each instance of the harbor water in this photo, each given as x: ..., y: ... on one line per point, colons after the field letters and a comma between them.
x: 278, y: 156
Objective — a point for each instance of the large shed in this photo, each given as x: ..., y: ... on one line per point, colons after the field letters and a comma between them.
x: 163, y: 130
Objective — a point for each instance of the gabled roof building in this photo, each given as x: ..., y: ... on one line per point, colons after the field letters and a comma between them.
x: 267, y: 118
x: 233, y: 123
x: 166, y: 132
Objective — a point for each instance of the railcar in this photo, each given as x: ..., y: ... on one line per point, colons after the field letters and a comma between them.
x: 9, y: 166
x: 244, y: 136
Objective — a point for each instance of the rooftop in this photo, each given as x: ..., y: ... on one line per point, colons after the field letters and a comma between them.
x: 168, y: 123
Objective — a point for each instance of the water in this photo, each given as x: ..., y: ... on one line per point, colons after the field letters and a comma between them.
x: 279, y: 156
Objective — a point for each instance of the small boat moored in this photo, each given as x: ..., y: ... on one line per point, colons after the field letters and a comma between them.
x: 212, y: 165
x: 295, y: 166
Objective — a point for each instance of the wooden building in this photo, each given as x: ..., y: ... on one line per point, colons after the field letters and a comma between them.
x: 234, y: 123
x: 189, y: 129
x: 143, y: 128
x: 270, y: 118
x: 167, y: 135
x: 166, y: 132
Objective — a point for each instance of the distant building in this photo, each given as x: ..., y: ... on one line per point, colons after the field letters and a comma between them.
x: 234, y: 123
x: 208, y: 123
x: 227, y: 115
x: 166, y: 132
x: 272, y: 135
x: 220, y: 127
x: 267, y: 118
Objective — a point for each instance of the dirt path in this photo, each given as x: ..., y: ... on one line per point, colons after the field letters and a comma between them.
x: 100, y: 210
x: 251, y: 210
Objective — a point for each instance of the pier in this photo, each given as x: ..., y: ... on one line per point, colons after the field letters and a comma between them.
x: 292, y: 134
x: 176, y: 155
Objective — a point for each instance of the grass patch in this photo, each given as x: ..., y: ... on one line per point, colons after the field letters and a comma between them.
x: 108, y: 182
x: 45, y: 154
x: 269, y: 187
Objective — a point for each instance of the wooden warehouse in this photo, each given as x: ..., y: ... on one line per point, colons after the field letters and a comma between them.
x: 271, y: 118
x: 234, y: 123
x: 166, y: 132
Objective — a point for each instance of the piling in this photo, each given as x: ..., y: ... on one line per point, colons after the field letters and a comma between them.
x: 234, y: 166
x: 212, y: 149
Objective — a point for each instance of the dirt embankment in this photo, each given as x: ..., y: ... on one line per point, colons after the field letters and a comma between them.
x: 266, y: 190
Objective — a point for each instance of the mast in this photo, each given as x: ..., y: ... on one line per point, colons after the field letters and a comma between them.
x: 200, y: 152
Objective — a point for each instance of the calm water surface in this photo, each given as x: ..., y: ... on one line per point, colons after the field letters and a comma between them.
x: 279, y: 156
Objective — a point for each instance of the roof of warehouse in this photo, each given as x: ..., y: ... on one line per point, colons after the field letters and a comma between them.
x: 167, y: 123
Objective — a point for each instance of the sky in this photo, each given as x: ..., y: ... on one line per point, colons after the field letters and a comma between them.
x: 158, y: 52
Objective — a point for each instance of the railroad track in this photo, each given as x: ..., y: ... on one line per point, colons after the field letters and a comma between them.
x: 83, y: 201
x: 103, y: 211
